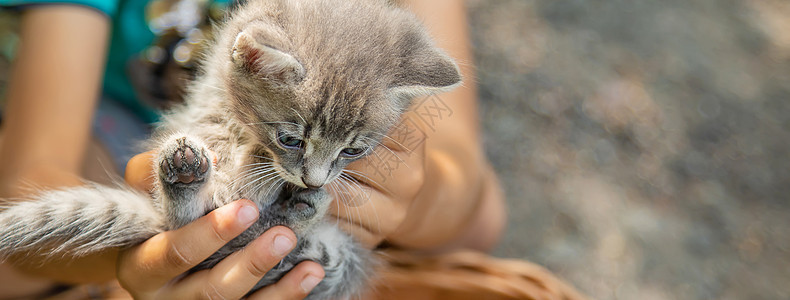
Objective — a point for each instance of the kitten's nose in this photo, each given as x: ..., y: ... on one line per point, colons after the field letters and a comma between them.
x: 310, y: 184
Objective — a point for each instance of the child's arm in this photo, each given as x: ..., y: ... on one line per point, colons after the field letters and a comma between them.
x: 444, y: 195
x: 54, y: 87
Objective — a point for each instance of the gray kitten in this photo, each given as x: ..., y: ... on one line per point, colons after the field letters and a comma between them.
x: 289, y: 94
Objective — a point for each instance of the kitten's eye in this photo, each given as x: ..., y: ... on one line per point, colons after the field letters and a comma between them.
x: 290, y: 142
x: 352, y: 152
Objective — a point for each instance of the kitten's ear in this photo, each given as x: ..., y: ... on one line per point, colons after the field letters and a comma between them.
x: 424, y: 72
x: 264, y: 61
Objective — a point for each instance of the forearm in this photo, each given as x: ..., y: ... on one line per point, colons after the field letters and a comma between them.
x: 51, y: 96
x: 486, y: 222
x: 54, y: 86
x: 90, y: 269
x: 460, y: 204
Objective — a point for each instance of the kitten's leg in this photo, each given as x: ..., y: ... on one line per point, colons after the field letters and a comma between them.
x: 346, y: 264
x: 184, y: 171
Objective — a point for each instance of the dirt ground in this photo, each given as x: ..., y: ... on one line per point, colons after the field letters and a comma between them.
x: 643, y: 145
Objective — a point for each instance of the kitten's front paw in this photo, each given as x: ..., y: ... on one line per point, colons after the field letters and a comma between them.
x: 184, y: 162
x: 299, y: 209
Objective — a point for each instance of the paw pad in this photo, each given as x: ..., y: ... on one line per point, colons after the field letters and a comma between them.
x: 184, y: 163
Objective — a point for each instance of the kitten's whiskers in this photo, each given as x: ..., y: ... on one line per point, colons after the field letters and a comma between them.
x: 244, y: 174
x: 299, y: 115
x: 350, y: 185
x: 367, y: 179
x: 211, y: 86
x: 347, y: 190
x: 358, y: 186
x: 333, y: 187
x: 377, y: 143
x: 391, y: 139
x: 264, y: 173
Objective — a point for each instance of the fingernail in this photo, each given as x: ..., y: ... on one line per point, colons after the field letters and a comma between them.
x: 282, y: 245
x: 309, y: 283
x: 247, y: 214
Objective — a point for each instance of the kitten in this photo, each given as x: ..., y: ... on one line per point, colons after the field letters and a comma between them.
x: 289, y: 94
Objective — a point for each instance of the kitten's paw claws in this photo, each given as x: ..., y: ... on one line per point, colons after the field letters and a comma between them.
x: 184, y: 163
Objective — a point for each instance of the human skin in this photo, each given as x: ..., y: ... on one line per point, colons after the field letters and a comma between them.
x: 45, y: 130
x: 447, y: 198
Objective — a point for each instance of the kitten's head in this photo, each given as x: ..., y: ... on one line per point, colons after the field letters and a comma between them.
x: 321, y: 86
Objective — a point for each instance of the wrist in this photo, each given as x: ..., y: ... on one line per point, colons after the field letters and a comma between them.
x: 487, y: 222
x: 94, y: 268
x: 21, y: 183
x: 17, y: 285
x: 460, y: 206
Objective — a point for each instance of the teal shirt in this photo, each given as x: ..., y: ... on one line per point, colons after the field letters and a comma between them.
x: 130, y: 35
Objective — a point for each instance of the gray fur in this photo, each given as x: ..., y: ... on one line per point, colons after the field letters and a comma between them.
x: 78, y: 221
x: 333, y: 75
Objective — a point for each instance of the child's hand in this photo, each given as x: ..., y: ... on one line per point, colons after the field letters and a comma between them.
x: 387, y: 182
x: 152, y: 270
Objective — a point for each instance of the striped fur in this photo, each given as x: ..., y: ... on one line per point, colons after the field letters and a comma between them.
x: 79, y: 221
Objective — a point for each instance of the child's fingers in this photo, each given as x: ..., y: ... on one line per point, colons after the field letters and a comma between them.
x: 139, y: 173
x: 152, y: 264
x: 238, y: 273
x: 297, y: 284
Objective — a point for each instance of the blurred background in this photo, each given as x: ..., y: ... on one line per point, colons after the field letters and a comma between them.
x: 643, y: 145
